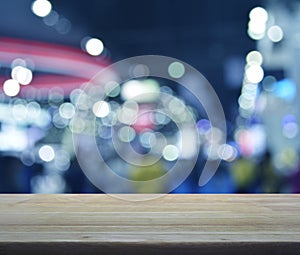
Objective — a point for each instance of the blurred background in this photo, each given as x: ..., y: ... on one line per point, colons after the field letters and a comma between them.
x: 249, y: 51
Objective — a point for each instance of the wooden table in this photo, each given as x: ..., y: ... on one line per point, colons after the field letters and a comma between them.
x: 173, y: 224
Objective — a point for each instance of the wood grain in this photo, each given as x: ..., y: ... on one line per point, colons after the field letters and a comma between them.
x: 172, y: 224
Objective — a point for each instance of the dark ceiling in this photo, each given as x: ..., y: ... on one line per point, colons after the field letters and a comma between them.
x: 206, y: 34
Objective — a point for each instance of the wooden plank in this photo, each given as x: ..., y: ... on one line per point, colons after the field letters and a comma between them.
x: 172, y: 224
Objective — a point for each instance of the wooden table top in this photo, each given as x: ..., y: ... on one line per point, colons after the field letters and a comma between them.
x: 172, y: 224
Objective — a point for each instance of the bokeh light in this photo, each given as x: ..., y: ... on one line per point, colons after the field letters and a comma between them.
x: 254, y: 73
x: 140, y: 90
x: 94, y: 46
x: 170, y: 152
x: 112, y: 89
x: 256, y: 28
x: 269, y: 83
x: 285, y: 89
x: 11, y: 87
x: 46, y: 153
x: 67, y: 110
x: 176, y: 70
x: 22, y: 75
x: 257, y: 24
x: 227, y: 152
x: 129, y: 112
x: 51, y: 19
x: 41, y: 8
x: 147, y: 139
x: 18, y: 62
x: 275, y: 33
x: 258, y: 14
x: 101, y: 109
x: 254, y: 58
x: 126, y: 134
